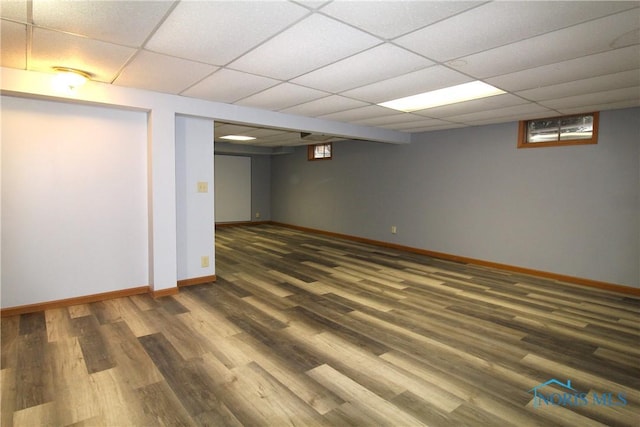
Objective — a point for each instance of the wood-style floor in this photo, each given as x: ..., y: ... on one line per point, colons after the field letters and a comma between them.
x: 303, y: 329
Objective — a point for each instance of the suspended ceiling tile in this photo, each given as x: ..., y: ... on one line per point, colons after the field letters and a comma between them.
x: 509, y: 22
x: 601, y: 107
x: 330, y: 104
x: 467, y: 107
x: 13, y: 40
x: 424, y: 80
x: 498, y: 113
x: 395, y: 119
x: 162, y: 73
x: 312, y: 4
x: 123, y: 22
x: 435, y: 127
x: 269, y: 133
x: 595, y: 84
x: 573, y: 42
x: 216, y: 32
x: 534, y: 114
x: 102, y: 60
x: 223, y: 129
x: 229, y: 86
x: 15, y: 10
x: 609, y: 62
x: 282, y: 96
x: 421, y: 123
x: 389, y: 19
x: 283, y: 139
x: 361, y: 113
x: 379, y: 63
x: 597, y: 98
x: 312, y: 43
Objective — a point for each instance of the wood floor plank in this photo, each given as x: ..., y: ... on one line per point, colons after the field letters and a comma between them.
x: 58, y: 324
x: 162, y: 407
x: 44, y: 414
x: 33, y: 379
x: 133, y: 366
x: 270, y: 402
x: 318, y: 398
x: 7, y: 396
x: 72, y: 383
x: 117, y: 403
x: 32, y: 323
x: 361, y: 397
x: 310, y: 329
x: 189, y: 381
x: 10, y: 328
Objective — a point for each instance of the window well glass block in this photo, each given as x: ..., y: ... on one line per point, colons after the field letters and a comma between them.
x: 578, y: 127
x: 545, y: 130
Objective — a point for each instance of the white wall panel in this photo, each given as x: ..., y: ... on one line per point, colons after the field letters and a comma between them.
x: 74, y: 200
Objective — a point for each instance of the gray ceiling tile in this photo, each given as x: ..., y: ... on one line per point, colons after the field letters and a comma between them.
x: 389, y: 19
x: 604, y: 97
x: 399, y: 119
x: 162, y: 73
x: 499, y: 113
x: 327, y: 105
x: 14, y: 10
x: 600, y: 106
x: 594, y: 84
x: 573, y: 42
x: 333, y: 60
x: 13, y: 39
x: 310, y: 44
x: 421, y: 123
x: 124, y: 22
x: 361, y: 113
x: 216, y: 32
x: 102, y: 60
x: 420, y: 81
x: 509, y: 22
x: 364, y: 68
x: 229, y: 86
x: 434, y: 127
x: 609, y: 62
x: 282, y: 96
x: 476, y: 105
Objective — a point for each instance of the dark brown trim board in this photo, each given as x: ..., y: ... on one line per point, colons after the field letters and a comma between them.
x: 554, y: 276
x: 85, y: 299
x: 32, y: 308
x: 196, y: 281
x: 164, y: 292
x: 235, y: 224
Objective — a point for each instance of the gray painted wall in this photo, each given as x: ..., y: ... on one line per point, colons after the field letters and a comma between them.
x: 470, y: 192
x: 260, y: 185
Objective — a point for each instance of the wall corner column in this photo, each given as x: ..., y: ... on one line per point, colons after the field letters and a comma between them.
x: 162, y: 201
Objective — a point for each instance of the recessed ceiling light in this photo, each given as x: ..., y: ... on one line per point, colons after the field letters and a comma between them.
x: 446, y: 96
x: 237, y: 137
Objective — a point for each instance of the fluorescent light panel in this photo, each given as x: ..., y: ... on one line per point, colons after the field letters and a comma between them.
x: 237, y: 137
x: 446, y: 96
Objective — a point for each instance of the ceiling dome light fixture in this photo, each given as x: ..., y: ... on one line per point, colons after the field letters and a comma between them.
x: 69, y: 79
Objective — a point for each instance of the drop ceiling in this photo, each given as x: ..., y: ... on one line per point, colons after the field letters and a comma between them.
x: 336, y: 60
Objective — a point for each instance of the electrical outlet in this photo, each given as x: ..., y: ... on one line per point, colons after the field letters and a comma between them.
x: 257, y: 214
x: 203, y: 187
x: 204, y: 261
x: 394, y: 229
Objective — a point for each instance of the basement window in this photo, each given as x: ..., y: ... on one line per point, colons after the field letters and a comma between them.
x: 553, y: 131
x: 319, y: 151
